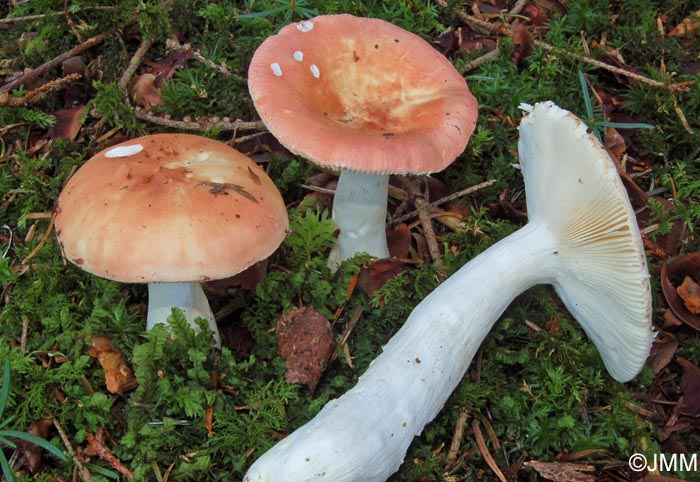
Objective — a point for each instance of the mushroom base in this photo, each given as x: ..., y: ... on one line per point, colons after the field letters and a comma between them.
x: 359, y: 211
x: 189, y: 297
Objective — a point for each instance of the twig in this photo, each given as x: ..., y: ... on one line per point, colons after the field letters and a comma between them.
x: 91, y: 42
x: 456, y: 195
x: 202, y: 124
x: 43, y: 240
x: 29, y: 18
x: 35, y: 95
x: 457, y: 437
x: 133, y: 65
x: 197, y: 55
x: 502, y: 29
x: 518, y: 7
x: 83, y: 472
x: 411, y: 186
x: 479, y: 61
x: 483, y: 449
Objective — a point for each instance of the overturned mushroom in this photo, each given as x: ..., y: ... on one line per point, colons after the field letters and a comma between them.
x: 581, y: 237
x: 170, y: 210
x: 368, y: 98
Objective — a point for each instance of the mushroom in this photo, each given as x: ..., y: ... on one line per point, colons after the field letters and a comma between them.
x: 170, y: 210
x: 582, y: 237
x: 365, y: 97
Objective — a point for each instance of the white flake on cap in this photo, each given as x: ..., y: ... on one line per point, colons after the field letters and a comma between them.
x: 276, y: 69
x: 124, y: 151
x: 305, y: 26
x: 314, y: 70
x: 298, y: 55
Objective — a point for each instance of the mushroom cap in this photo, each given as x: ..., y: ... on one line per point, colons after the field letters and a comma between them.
x: 361, y: 94
x: 169, y: 207
x: 573, y: 184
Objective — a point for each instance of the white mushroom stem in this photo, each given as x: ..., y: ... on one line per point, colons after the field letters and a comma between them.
x: 582, y: 238
x: 359, y: 211
x: 189, y: 297
x: 364, y: 435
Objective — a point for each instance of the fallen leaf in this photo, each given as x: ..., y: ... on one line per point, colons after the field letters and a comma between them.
x: 399, y: 241
x: 32, y: 452
x: 614, y: 143
x: 563, y: 471
x: 118, y: 376
x: 689, y: 25
x: 673, y: 272
x: 305, y: 341
x: 374, y: 274
x: 97, y: 448
x: 690, y: 385
x: 689, y: 291
x: 522, y: 41
x: 68, y: 123
x: 145, y: 90
x: 662, y: 352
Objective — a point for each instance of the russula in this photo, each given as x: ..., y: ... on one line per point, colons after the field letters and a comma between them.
x: 365, y: 97
x: 581, y: 237
x: 170, y: 210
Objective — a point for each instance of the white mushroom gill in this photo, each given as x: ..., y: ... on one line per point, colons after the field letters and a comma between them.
x: 364, y: 435
x: 124, y: 151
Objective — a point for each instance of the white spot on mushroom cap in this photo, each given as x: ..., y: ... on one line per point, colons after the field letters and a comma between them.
x: 305, y: 26
x: 298, y: 55
x: 314, y: 71
x: 124, y: 151
x: 276, y: 69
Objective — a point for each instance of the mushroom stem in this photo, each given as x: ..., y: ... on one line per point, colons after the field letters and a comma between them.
x: 582, y: 238
x: 408, y: 383
x: 189, y: 297
x: 359, y: 211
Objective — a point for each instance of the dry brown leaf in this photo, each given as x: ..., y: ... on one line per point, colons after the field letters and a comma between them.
x: 690, y: 25
x: 145, y: 90
x: 615, y: 143
x: 689, y: 291
x: 32, y: 452
x: 399, y: 241
x: 673, y: 272
x: 118, y: 376
x: 662, y: 352
x: 523, y: 41
x: 690, y: 385
x: 563, y: 471
x: 305, y: 341
x: 97, y: 448
x: 68, y: 123
x: 374, y: 274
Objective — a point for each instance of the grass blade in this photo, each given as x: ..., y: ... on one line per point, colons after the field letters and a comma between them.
x: 5, y: 392
x: 43, y: 443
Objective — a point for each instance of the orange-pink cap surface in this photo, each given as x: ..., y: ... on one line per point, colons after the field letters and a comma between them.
x: 169, y: 207
x: 361, y: 94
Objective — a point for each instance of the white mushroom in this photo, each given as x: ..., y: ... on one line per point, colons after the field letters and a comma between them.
x: 581, y: 237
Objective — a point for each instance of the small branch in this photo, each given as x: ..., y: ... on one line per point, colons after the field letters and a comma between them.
x: 501, y: 29
x: 43, y: 240
x: 134, y: 63
x: 456, y: 195
x: 478, y: 62
x: 83, y: 472
x: 36, y: 95
x: 91, y: 42
x: 457, y: 437
x: 202, y: 124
